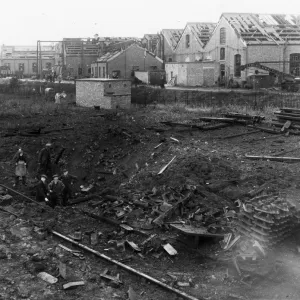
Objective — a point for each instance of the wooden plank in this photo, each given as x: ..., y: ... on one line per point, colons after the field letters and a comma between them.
x: 240, y: 134
x: 264, y: 129
x: 194, y: 231
x: 273, y: 158
x: 159, y: 220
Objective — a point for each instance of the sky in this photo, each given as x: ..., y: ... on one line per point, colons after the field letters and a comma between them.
x: 23, y: 22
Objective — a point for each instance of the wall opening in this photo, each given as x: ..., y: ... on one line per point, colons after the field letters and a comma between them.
x: 295, y: 64
x: 222, y: 53
x: 187, y: 41
x: 222, y: 35
x: 237, y: 65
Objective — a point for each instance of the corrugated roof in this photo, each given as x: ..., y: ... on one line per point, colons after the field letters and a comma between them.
x: 172, y: 36
x: 202, y: 31
x: 265, y: 28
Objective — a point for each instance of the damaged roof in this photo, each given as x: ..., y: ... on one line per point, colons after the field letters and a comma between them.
x: 265, y: 28
x: 172, y: 36
x: 202, y: 31
x: 113, y: 54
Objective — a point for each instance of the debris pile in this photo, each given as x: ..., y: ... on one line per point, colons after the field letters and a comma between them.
x: 288, y: 119
x: 267, y: 218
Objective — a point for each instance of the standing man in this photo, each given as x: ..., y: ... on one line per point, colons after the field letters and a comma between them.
x: 56, y: 188
x: 44, y: 160
x: 20, y: 161
x: 67, y: 179
x: 42, y: 190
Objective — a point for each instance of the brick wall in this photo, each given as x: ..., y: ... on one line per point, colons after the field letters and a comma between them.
x: 75, y: 62
x: 97, y: 93
x: 14, y: 64
x: 191, y: 74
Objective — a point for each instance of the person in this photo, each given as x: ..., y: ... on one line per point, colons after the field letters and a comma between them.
x: 56, y: 188
x: 59, y: 78
x: 67, y: 179
x: 44, y: 161
x: 20, y: 161
x: 42, y: 192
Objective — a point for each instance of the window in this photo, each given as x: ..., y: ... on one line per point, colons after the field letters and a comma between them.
x: 7, y: 65
x: 34, y: 67
x: 125, y: 84
x: 79, y: 71
x: 237, y: 65
x: 170, y: 59
x: 109, y: 85
x: 48, y: 65
x: 116, y: 74
x: 99, y: 72
x: 21, y: 67
x: 89, y: 71
x: 153, y: 67
x: 135, y: 68
x: 222, y: 53
x: 295, y: 64
x: 187, y: 41
x: 104, y: 72
x: 222, y: 35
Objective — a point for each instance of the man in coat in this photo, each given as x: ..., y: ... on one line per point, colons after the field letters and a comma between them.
x: 67, y: 179
x: 42, y: 190
x: 20, y: 161
x: 56, y: 188
x: 44, y: 161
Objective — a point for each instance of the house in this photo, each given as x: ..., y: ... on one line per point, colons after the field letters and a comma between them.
x: 193, y: 39
x: 273, y: 40
x: 103, y: 93
x: 123, y: 63
x: 169, y: 41
x: 22, y: 60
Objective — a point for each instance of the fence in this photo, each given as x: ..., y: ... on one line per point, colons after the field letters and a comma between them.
x: 194, y: 98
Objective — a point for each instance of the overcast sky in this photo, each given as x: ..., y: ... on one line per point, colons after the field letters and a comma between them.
x: 23, y: 22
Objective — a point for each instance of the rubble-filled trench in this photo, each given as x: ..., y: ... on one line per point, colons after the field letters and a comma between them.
x: 246, y: 211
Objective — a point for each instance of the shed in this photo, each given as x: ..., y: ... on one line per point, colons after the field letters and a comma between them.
x: 104, y: 92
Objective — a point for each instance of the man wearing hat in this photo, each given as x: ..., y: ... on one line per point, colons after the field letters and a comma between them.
x: 44, y: 161
x: 20, y: 161
x: 56, y: 188
x: 67, y: 179
x: 42, y: 190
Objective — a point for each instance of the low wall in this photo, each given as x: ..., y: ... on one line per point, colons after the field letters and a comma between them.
x: 144, y: 95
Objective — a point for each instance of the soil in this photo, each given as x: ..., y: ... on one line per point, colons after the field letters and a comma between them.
x: 116, y: 152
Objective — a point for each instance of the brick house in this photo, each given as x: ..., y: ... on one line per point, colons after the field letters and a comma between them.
x: 122, y: 63
x: 238, y: 39
x: 193, y: 39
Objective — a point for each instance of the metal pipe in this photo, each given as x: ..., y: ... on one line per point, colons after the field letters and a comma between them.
x: 169, y: 288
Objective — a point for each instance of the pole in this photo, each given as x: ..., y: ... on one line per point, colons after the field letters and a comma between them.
x: 136, y: 272
x: 37, y: 59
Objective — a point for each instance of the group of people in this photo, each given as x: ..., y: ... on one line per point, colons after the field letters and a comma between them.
x: 58, y: 191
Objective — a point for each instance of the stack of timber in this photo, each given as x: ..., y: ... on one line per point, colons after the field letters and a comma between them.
x: 268, y: 219
x: 288, y: 119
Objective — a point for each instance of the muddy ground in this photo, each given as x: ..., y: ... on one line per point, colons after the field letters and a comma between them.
x: 115, y: 152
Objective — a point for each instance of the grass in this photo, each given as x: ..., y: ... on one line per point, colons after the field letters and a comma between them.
x: 181, y: 111
x: 11, y: 106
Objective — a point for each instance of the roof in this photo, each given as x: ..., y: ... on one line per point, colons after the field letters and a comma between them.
x: 172, y: 36
x: 265, y: 28
x: 111, y: 55
x: 202, y: 31
x: 102, y: 79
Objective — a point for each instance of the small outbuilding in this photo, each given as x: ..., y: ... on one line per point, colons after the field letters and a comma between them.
x: 103, y: 92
